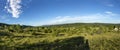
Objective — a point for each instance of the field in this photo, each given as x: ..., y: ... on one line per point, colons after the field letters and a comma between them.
x: 75, y: 36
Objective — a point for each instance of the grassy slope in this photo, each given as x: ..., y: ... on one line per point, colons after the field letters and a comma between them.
x: 61, y: 37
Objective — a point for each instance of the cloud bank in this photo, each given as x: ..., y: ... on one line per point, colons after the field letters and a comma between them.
x: 14, y: 7
x: 93, y: 18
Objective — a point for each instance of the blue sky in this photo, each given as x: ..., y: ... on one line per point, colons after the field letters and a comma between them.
x: 42, y: 12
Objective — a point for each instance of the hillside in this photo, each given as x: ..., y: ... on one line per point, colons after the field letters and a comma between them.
x: 74, y: 36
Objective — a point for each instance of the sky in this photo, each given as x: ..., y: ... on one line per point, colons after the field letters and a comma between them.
x: 45, y: 12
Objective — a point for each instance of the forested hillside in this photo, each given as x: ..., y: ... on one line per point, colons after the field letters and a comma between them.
x: 75, y: 36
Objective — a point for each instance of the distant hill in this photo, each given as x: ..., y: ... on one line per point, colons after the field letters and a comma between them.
x: 78, y: 24
x: 67, y: 24
x: 2, y: 24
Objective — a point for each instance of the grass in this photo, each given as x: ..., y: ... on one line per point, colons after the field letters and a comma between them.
x: 106, y: 41
x: 60, y: 37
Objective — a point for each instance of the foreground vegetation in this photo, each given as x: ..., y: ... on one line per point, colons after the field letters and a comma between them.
x: 77, y: 36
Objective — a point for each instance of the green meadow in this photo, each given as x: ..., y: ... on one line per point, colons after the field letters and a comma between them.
x: 75, y: 36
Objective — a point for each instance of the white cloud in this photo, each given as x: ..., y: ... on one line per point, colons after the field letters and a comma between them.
x: 110, y: 13
x: 99, y: 17
x: 3, y: 17
x: 14, y: 7
x: 110, y: 5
